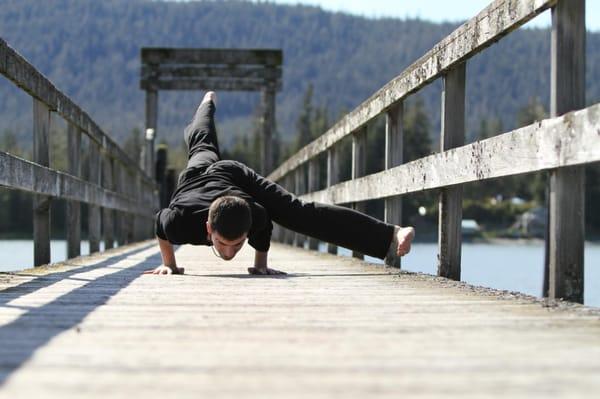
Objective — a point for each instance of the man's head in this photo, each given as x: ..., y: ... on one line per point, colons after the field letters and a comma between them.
x: 229, y: 220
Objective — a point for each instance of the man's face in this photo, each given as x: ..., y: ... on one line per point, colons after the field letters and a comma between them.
x: 226, y: 248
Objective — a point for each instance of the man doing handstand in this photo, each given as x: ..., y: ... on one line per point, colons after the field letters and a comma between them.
x: 221, y: 203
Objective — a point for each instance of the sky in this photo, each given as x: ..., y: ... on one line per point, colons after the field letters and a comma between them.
x: 432, y: 10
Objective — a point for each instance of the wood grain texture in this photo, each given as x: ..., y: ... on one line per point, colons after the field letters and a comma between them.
x: 73, y: 206
x: 336, y: 327
x: 222, y: 84
x: 18, y: 70
x: 572, y: 139
x: 565, y: 268
x: 168, y: 55
x: 359, y: 168
x: 450, y: 202
x: 41, y: 203
x: 496, y: 20
x: 394, y: 148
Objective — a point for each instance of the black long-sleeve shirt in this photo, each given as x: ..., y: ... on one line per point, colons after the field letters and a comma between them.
x: 184, y: 221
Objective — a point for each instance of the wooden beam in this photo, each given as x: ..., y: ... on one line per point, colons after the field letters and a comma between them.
x: 565, y: 267
x: 333, y: 176
x: 158, y: 55
x: 150, y: 136
x: 300, y: 188
x: 450, y: 204
x: 394, y: 143
x: 24, y: 175
x: 313, y: 185
x: 553, y: 143
x: 359, y: 168
x: 268, y: 127
x: 73, y: 206
x: 107, y: 213
x: 496, y: 20
x: 41, y: 203
x: 233, y: 84
x: 94, y: 219
x: 210, y: 71
x: 18, y: 70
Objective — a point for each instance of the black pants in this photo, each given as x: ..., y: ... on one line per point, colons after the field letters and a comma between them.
x: 334, y: 224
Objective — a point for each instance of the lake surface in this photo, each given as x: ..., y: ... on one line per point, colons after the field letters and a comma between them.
x: 511, y: 266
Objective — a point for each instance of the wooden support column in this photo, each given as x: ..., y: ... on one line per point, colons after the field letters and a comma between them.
x: 313, y: 185
x: 300, y: 188
x: 564, y: 261
x: 108, y: 214
x: 94, y: 219
x: 394, y: 141
x: 119, y: 216
x: 147, y: 161
x: 289, y: 185
x: 333, y: 177
x: 450, y: 205
x: 74, y: 207
x: 41, y: 203
x: 359, y: 168
x: 268, y: 127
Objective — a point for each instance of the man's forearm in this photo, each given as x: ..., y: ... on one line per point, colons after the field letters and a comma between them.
x: 260, y: 260
x: 167, y: 253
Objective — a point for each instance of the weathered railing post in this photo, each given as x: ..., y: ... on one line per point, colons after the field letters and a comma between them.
x: 74, y: 207
x: 108, y: 214
x: 450, y: 205
x: 300, y: 188
x: 268, y: 125
x: 41, y: 203
x: 313, y: 185
x: 289, y: 185
x: 565, y: 268
x: 359, y: 167
x: 394, y: 141
x: 147, y: 161
x: 333, y: 177
x: 94, y: 220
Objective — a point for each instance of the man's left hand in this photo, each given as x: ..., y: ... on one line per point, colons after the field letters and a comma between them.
x: 265, y: 272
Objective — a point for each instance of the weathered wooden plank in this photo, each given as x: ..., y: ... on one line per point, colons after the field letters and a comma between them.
x: 25, y: 175
x: 566, y: 203
x: 300, y: 188
x: 94, y: 218
x: 18, y: 70
x: 394, y: 147
x: 150, y: 137
x: 359, y: 168
x: 333, y: 176
x: 313, y: 185
x: 450, y: 203
x: 569, y: 140
x: 74, y: 207
x: 496, y: 20
x: 107, y: 213
x: 169, y: 71
x: 268, y: 127
x: 41, y: 203
x: 223, y: 84
x: 158, y: 55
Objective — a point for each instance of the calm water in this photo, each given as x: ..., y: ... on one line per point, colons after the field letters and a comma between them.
x: 515, y: 267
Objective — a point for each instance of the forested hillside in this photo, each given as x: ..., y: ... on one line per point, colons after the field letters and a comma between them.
x: 90, y: 49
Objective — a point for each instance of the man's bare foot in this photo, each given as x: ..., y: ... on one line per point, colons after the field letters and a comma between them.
x: 403, y: 239
x: 210, y: 95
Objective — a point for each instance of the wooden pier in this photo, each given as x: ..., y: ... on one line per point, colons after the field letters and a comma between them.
x: 334, y: 327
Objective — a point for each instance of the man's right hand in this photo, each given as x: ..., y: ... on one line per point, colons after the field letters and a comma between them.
x: 162, y: 269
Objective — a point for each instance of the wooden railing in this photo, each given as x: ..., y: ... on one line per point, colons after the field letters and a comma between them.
x: 559, y: 145
x: 117, y: 190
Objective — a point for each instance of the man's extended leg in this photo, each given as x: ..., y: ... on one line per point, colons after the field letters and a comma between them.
x: 201, y: 134
x: 335, y: 224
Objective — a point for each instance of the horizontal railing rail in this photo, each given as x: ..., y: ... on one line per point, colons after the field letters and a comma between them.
x: 121, y: 196
x: 559, y: 145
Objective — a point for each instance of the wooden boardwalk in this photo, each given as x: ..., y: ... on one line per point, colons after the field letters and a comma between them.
x: 335, y: 327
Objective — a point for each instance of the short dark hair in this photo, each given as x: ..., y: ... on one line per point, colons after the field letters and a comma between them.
x: 230, y: 216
